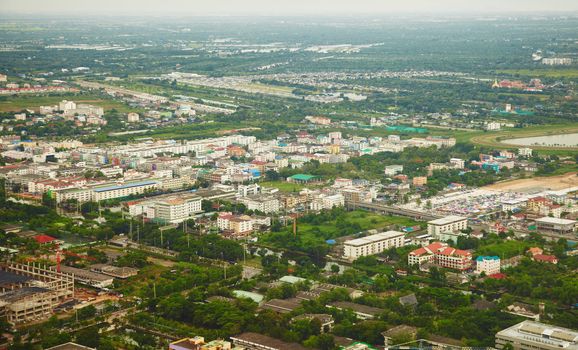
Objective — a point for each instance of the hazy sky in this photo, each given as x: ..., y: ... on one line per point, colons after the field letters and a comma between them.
x: 280, y: 7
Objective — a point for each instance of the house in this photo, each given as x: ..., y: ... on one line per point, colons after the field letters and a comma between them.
x: 363, y: 312
x: 550, y: 259
x: 408, y: 300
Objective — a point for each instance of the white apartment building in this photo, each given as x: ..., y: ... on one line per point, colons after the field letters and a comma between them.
x: 175, y: 210
x: 371, y: 245
x: 448, y: 224
x: 493, y: 126
x: 490, y: 265
x: 263, y: 204
x: 107, y: 191
x: 458, y: 163
x: 525, y: 152
x: 328, y: 202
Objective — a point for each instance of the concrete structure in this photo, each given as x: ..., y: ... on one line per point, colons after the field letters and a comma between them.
x: 556, y: 224
x: 89, y: 278
x: 133, y: 117
x: 391, y: 170
x: 30, y: 292
x: 489, y: 265
x: 448, y: 224
x: 531, y: 335
x: 371, y: 245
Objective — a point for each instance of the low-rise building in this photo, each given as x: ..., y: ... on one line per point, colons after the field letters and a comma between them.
x: 448, y: 224
x: 441, y: 255
x: 556, y: 224
x: 256, y: 341
x: 531, y: 335
x: 489, y: 265
x: 374, y: 244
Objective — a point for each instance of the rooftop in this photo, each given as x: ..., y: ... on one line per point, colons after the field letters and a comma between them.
x: 550, y: 220
x: 447, y: 220
x: 538, y: 332
x: 374, y: 238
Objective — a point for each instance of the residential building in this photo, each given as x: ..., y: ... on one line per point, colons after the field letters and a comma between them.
x: 371, y: 245
x: 264, y: 204
x: 525, y: 152
x: 441, y: 255
x: 448, y: 224
x: 489, y: 265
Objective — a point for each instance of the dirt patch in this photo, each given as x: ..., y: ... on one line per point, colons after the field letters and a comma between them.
x: 537, y: 183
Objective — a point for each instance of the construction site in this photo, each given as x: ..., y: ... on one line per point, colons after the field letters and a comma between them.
x: 30, y: 292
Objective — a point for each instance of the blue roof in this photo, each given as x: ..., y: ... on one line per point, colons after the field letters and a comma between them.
x: 482, y: 258
x: 120, y: 187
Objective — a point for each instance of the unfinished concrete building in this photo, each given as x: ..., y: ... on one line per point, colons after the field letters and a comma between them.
x: 31, y: 292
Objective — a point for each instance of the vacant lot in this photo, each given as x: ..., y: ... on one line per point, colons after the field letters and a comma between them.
x: 537, y: 183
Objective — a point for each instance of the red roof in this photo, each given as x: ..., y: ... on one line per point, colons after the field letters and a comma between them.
x: 42, y: 239
x: 545, y: 258
x: 419, y: 251
x: 498, y: 276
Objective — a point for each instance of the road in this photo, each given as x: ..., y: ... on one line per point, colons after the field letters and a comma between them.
x: 384, y: 209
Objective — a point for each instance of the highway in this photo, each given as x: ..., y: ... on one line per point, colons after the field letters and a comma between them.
x: 384, y: 209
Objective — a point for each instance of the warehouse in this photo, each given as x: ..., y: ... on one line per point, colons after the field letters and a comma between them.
x: 555, y: 224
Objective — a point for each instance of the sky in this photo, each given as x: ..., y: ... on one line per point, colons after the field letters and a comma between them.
x: 280, y: 7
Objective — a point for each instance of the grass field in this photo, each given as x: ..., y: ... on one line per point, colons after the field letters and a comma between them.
x: 570, y: 73
x: 310, y: 234
x: 283, y: 186
x: 18, y: 103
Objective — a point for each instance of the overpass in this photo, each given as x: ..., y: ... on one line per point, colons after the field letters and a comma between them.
x: 388, y: 210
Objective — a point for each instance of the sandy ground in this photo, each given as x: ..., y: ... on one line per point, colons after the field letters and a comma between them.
x: 536, y: 183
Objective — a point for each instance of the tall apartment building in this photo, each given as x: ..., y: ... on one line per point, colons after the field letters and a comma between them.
x: 167, y: 209
x: 373, y: 244
x: 530, y: 335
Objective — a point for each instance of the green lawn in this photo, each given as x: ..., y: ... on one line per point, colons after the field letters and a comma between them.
x: 505, y: 249
x: 20, y: 102
x: 283, y: 186
x: 347, y: 224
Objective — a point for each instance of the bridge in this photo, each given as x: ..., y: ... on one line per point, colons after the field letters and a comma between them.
x: 388, y: 210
